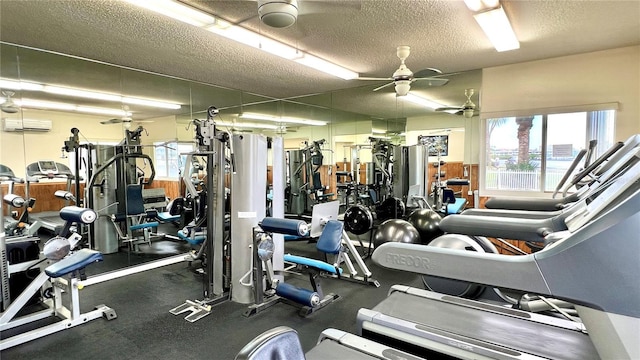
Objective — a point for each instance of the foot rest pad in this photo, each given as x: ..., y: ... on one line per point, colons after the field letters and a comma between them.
x: 316, y: 264
x: 197, y: 240
x: 146, y: 225
x: 166, y: 216
x: 72, y: 263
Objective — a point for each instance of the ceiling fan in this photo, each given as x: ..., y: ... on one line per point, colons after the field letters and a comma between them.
x: 403, y: 77
x: 284, y: 13
x: 468, y: 109
x: 9, y: 106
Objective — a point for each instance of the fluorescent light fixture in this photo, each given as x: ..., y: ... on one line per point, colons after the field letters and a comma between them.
x: 496, y: 26
x: 422, y: 101
x: 478, y: 5
x: 255, y: 40
x: 51, y: 105
x: 19, y: 85
x: 326, y: 67
x: 150, y: 103
x: 378, y: 131
x: 58, y: 90
x: 177, y: 11
x: 223, y: 28
x: 86, y: 94
x: 280, y: 119
x: 247, y: 125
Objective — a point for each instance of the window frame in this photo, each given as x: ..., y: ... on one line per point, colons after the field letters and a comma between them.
x: 167, y: 144
x: 542, y: 193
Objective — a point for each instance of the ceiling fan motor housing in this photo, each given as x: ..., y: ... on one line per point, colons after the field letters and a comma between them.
x: 278, y: 13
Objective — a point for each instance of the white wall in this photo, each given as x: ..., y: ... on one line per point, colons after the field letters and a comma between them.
x: 22, y: 148
x: 568, y: 81
x: 438, y: 124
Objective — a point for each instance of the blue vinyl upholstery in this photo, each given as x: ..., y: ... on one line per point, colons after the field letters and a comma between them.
x: 330, y: 240
x: 72, y: 263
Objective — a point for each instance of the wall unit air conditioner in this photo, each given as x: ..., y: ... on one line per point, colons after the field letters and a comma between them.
x: 26, y: 125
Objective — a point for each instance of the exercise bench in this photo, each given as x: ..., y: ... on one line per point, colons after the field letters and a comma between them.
x: 63, y: 276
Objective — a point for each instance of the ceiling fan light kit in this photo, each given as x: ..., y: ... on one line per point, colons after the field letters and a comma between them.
x: 403, y: 87
x: 8, y: 106
x: 278, y: 14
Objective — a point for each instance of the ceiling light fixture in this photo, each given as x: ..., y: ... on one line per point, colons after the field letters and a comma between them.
x: 247, y: 125
x: 51, y: 105
x: 422, y: 101
x: 493, y: 20
x: 283, y: 119
x: 86, y: 94
x: 224, y: 28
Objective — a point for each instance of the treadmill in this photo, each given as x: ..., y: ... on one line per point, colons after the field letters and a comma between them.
x: 48, y: 169
x: 594, y: 265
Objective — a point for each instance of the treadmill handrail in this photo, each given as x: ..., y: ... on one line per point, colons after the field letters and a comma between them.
x: 569, y: 171
x: 503, y: 227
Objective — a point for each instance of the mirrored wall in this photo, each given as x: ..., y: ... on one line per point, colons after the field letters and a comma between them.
x: 55, y: 93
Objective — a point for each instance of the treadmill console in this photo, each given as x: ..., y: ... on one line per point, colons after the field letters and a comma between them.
x: 48, y: 167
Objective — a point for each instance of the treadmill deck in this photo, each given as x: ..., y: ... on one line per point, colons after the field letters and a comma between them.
x: 514, y: 332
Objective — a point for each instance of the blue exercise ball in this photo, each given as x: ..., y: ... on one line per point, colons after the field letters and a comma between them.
x: 427, y: 222
x: 396, y: 230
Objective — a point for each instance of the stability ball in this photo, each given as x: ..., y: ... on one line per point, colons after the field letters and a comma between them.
x: 396, y: 230
x: 390, y: 208
x: 427, y: 222
x: 358, y: 219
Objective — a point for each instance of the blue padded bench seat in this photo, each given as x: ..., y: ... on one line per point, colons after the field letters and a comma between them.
x: 457, y: 206
x: 166, y: 216
x: 316, y: 264
x: 199, y: 239
x: 146, y: 225
x: 72, y: 263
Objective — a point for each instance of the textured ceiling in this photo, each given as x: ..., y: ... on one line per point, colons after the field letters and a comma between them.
x: 359, y: 35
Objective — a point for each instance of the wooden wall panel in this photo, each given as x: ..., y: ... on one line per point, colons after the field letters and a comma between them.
x: 43, y: 193
x: 172, y: 188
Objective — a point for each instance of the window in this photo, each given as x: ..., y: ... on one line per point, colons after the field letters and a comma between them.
x: 168, y: 161
x: 532, y: 153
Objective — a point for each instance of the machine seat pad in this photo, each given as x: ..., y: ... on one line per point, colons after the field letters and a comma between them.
x: 316, y: 264
x: 166, y: 216
x: 72, y: 263
x: 457, y: 206
x: 146, y: 225
x: 330, y: 240
x: 197, y: 240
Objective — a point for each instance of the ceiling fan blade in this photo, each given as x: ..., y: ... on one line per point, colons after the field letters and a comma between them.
x: 374, y: 78
x: 428, y: 72
x: 111, y: 121
x: 383, y: 86
x: 446, y: 75
x: 449, y: 108
x: 431, y: 81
